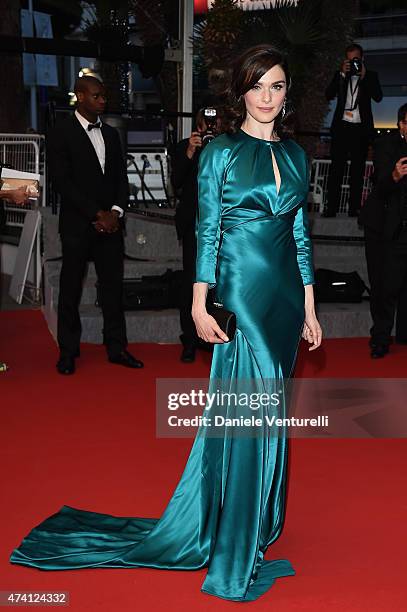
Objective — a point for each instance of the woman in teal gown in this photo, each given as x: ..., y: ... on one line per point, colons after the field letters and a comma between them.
x: 254, y: 248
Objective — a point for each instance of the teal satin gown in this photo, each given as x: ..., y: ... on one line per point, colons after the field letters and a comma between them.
x: 228, y: 507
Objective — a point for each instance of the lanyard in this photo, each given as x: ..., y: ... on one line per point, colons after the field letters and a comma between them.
x: 353, y: 93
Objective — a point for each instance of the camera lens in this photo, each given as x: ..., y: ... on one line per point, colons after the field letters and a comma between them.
x: 355, y: 65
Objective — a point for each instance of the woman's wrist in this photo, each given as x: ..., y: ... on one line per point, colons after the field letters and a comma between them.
x: 309, y: 301
x: 310, y: 311
x: 200, y: 291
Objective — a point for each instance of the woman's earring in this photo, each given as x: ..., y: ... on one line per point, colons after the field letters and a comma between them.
x: 283, y: 111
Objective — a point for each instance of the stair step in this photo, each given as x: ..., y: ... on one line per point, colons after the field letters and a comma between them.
x: 146, y: 238
x: 132, y: 270
x: 142, y: 325
x: 345, y: 320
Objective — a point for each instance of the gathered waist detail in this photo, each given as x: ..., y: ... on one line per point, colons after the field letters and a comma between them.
x: 287, y: 217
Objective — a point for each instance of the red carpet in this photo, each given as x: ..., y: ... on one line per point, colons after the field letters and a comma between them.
x: 89, y: 441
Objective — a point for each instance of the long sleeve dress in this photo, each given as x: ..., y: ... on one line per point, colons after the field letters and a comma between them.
x: 228, y: 507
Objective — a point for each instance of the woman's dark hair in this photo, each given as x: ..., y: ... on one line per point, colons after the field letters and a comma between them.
x: 248, y: 69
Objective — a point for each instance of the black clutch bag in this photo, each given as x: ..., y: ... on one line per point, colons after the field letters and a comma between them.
x: 226, y: 319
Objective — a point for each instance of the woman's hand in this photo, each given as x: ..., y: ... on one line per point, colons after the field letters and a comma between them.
x: 207, y: 328
x: 311, y: 331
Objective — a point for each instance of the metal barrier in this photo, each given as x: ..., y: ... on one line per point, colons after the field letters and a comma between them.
x: 319, y: 184
x: 25, y: 152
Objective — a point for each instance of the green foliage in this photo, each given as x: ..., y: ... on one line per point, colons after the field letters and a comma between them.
x: 216, y: 39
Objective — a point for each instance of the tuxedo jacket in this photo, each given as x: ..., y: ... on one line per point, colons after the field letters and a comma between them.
x: 77, y: 176
x: 369, y: 88
x: 383, y: 210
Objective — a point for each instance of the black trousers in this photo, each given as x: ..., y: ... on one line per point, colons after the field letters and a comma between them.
x: 387, y: 269
x: 374, y: 252
x: 106, y: 250
x: 349, y: 140
x: 189, y: 336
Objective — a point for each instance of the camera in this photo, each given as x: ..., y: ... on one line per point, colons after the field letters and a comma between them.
x: 355, y: 65
x: 210, y: 116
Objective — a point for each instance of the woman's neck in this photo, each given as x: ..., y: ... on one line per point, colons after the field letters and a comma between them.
x: 265, y: 131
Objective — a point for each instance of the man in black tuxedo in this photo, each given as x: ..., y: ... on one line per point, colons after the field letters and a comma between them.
x: 87, y: 169
x: 352, y: 127
x: 384, y: 217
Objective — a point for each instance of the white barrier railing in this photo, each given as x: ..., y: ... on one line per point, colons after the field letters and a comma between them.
x: 25, y: 152
x: 319, y: 184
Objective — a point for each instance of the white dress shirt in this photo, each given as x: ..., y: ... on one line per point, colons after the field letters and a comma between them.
x: 96, y: 138
x: 352, y: 116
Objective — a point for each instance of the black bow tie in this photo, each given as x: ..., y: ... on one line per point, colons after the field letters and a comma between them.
x: 94, y: 125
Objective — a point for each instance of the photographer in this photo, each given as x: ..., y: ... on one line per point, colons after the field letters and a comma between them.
x: 352, y: 127
x: 384, y: 217
x: 15, y: 196
x: 185, y: 157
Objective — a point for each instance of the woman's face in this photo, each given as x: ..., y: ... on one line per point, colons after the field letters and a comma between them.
x: 265, y: 99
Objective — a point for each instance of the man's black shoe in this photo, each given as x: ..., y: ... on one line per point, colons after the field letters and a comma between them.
x: 328, y: 215
x: 66, y: 365
x: 126, y: 359
x: 188, y: 354
x: 378, y: 351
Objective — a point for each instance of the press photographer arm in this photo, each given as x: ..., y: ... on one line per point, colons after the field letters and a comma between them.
x: 387, y: 174
x: 17, y: 196
x: 400, y: 170
x: 182, y: 162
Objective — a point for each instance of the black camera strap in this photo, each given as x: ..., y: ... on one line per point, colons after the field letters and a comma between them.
x: 353, y: 93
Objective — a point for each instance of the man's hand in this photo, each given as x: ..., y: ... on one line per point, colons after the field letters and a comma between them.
x: 345, y: 67
x: 195, y: 141
x: 400, y: 169
x: 107, y: 221
x: 17, y: 196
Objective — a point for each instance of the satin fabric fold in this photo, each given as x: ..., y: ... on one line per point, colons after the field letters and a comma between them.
x: 229, y: 505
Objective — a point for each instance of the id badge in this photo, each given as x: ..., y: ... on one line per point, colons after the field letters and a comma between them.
x: 349, y: 114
